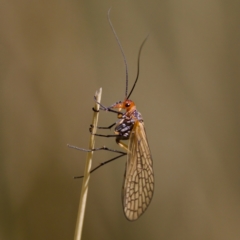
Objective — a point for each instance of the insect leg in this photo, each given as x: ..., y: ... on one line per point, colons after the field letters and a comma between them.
x: 95, y: 110
x: 109, y: 127
x: 101, y: 135
x: 121, y: 144
x: 101, y: 164
x: 96, y: 149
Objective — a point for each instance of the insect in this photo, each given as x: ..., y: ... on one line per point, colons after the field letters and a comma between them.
x: 138, y: 184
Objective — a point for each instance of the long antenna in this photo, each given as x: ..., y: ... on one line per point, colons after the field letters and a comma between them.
x: 120, y: 46
x: 138, y: 66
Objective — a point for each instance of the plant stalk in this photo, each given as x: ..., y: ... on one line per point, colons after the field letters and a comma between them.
x: 86, y: 178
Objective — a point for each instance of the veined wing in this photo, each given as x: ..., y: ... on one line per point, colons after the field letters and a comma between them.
x: 138, y: 180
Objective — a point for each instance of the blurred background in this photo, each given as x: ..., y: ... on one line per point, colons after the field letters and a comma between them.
x: 55, y: 54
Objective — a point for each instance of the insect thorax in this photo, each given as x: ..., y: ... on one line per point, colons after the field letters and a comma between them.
x: 126, y: 123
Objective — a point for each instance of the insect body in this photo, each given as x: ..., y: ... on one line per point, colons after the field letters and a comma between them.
x: 138, y: 184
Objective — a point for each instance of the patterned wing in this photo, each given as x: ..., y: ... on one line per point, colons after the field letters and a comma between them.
x: 138, y: 182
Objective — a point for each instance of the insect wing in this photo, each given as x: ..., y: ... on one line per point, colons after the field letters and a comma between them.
x: 138, y: 180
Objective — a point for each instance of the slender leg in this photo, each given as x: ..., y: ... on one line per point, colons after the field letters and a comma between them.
x: 122, y: 145
x: 98, y: 149
x: 109, y: 127
x: 102, y: 135
x: 95, y: 110
x: 95, y: 149
x: 94, y: 169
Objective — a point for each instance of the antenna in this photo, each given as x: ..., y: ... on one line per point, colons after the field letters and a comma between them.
x: 138, y: 66
x: 120, y: 46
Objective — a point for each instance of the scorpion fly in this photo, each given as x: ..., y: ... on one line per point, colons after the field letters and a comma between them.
x: 138, y: 183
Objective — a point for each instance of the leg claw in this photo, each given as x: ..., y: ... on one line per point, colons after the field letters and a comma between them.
x: 91, y: 128
x: 95, y: 110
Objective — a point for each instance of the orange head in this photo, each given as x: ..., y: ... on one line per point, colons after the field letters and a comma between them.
x: 127, y: 104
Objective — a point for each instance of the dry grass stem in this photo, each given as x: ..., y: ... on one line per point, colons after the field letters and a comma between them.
x: 86, y: 178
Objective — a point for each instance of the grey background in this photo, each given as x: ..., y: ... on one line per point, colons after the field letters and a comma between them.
x: 55, y: 54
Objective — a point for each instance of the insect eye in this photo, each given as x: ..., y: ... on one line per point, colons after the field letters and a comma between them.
x: 127, y: 104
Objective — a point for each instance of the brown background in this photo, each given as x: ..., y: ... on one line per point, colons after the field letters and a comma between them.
x: 55, y: 54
